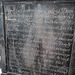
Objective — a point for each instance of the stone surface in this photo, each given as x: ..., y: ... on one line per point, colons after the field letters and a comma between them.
x: 39, y: 37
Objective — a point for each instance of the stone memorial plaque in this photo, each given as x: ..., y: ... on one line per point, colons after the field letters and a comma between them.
x: 2, y: 46
x: 39, y: 37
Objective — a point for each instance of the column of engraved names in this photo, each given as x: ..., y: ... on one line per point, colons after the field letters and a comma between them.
x: 17, y: 32
x: 59, y: 24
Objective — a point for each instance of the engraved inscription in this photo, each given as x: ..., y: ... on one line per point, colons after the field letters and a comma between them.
x: 39, y: 37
